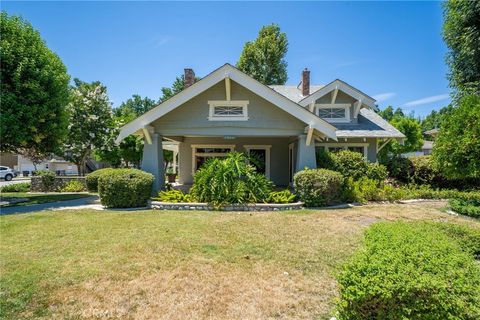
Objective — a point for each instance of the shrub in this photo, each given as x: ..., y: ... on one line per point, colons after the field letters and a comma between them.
x: 92, y: 178
x: 350, y: 164
x: 17, y: 187
x: 48, y: 179
x: 230, y: 180
x: 422, y: 171
x: 324, y: 159
x: 318, y: 187
x: 73, y: 186
x: 468, y: 208
x: 399, y: 168
x: 284, y: 196
x: 125, y: 188
x: 376, y: 171
x: 409, y: 271
x: 173, y: 195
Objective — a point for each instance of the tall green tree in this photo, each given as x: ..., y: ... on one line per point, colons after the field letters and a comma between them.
x: 264, y: 58
x: 177, y: 86
x: 33, y: 90
x: 461, y: 32
x: 456, y: 151
x: 90, y: 122
x: 434, y: 119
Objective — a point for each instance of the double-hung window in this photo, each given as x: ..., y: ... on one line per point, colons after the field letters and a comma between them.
x: 228, y: 110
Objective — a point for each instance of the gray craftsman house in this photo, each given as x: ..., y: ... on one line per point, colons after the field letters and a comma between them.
x: 281, y: 125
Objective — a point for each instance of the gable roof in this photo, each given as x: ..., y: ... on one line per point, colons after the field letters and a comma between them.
x: 370, y: 125
x: 342, y: 86
x: 241, y: 78
x: 293, y: 93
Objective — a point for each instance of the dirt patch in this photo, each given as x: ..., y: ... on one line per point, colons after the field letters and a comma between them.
x: 203, y: 292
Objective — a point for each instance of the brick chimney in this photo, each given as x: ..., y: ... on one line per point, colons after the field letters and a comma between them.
x: 305, y: 82
x: 189, y: 77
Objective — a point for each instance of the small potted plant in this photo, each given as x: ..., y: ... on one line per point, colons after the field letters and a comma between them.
x: 171, y: 175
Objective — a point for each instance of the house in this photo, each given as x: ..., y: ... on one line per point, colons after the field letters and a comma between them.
x: 282, y: 125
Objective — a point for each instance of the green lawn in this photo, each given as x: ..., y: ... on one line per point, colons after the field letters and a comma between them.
x: 183, y: 265
x: 36, y: 198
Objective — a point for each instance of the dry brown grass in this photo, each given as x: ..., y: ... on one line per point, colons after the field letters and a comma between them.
x: 186, y: 265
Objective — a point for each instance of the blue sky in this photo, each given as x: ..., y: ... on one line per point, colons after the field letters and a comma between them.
x: 390, y: 50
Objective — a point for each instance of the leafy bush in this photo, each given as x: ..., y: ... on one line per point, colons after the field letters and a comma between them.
x: 17, y: 187
x: 230, y: 180
x: 284, y: 196
x: 48, y: 179
x: 318, y: 187
x: 469, y: 208
x: 173, y: 195
x: 125, y: 188
x: 409, y: 271
x: 376, y: 171
x: 324, y: 159
x: 422, y: 171
x: 92, y: 178
x: 73, y: 186
x: 350, y: 164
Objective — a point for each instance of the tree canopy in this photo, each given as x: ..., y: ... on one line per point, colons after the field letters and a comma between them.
x: 90, y: 121
x: 461, y: 32
x: 434, y: 119
x: 34, y: 90
x: 264, y: 58
x: 456, y: 151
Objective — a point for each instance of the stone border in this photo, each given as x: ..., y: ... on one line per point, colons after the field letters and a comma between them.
x: 158, y: 205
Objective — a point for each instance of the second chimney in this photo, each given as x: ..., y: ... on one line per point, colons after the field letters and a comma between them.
x: 305, y: 82
x: 189, y: 77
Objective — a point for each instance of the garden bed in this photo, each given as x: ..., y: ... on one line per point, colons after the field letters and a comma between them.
x: 230, y: 207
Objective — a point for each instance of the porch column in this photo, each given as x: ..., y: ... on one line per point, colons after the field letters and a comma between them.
x: 305, y: 154
x: 152, y: 161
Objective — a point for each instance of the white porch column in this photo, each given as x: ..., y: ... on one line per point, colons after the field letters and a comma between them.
x: 175, y: 153
x: 152, y: 161
x: 305, y: 154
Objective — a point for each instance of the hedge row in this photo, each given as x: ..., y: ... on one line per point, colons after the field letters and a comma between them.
x: 412, y: 271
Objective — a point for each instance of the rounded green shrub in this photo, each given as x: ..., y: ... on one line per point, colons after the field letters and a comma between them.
x: 230, y: 180
x: 125, y: 188
x: 318, y: 187
x: 73, y: 186
x: 409, y: 271
x: 376, y: 171
x: 92, y: 178
x: 350, y: 164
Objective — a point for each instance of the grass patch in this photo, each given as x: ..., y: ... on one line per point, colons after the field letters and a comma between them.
x: 189, y: 264
x: 37, y: 198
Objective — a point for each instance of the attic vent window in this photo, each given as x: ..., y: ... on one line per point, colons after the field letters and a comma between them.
x: 334, y: 112
x: 228, y: 110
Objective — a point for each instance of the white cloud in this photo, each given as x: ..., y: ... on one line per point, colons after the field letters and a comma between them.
x: 384, y: 96
x: 427, y: 100
x: 161, y: 40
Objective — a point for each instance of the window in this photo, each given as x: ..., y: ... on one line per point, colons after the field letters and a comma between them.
x: 201, y: 153
x: 334, y: 112
x: 260, y: 158
x: 355, y: 147
x: 228, y: 110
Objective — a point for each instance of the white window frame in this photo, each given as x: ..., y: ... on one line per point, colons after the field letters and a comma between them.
x: 265, y: 147
x: 220, y: 154
x: 228, y: 103
x: 345, y: 146
x: 344, y: 106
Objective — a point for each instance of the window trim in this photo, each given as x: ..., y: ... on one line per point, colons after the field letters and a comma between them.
x: 345, y: 146
x: 344, y: 106
x: 195, y: 153
x: 265, y: 147
x: 227, y: 103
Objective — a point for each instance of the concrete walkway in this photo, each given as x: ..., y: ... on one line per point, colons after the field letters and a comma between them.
x: 82, y: 203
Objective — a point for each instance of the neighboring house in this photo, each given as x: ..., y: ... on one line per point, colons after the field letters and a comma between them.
x: 283, y: 125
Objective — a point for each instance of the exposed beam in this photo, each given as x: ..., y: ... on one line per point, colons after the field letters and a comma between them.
x: 309, y: 135
x: 356, y: 108
x: 334, y: 94
x: 227, y: 89
x: 383, y: 145
x: 146, y: 134
x: 311, y: 107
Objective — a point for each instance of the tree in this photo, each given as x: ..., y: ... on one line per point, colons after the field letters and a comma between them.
x: 461, y: 32
x: 34, y: 155
x: 90, y: 122
x: 34, y: 90
x: 456, y: 151
x: 435, y: 118
x: 264, y: 58
x: 177, y: 86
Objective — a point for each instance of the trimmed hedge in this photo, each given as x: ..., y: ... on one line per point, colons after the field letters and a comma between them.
x: 92, y: 178
x: 125, y: 188
x: 318, y: 187
x: 17, y: 187
x: 410, y: 271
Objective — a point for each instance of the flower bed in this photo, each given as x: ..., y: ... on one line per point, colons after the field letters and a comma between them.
x: 232, y: 207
